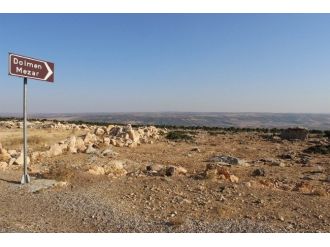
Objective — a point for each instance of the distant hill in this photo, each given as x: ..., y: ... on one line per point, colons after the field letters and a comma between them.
x: 216, y: 119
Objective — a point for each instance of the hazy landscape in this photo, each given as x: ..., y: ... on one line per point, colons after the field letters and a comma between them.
x: 210, y: 119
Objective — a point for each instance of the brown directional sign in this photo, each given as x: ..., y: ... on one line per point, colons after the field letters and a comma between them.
x: 30, y: 68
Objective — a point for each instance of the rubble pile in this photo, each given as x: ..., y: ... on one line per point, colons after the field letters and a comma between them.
x: 97, y: 140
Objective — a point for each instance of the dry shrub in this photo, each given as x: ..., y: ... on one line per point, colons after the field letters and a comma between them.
x: 14, y: 142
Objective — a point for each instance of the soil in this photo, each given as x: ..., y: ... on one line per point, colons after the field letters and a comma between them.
x: 291, y: 196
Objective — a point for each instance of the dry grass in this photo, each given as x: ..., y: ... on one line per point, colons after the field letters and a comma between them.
x: 37, y: 138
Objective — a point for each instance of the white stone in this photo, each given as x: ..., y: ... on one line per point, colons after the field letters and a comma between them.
x: 3, y: 165
x: 90, y: 138
x: 106, y: 141
x: 96, y: 170
x: 99, y: 131
x: 20, y: 160
x: 72, y: 144
x: 80, y: 145
x: 90, y: 149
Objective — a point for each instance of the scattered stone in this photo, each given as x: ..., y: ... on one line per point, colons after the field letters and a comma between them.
x: 96, y: 170
x: 155, y: 169
x: 247, y: 184
x: 175, y: 171
x: 62, y: 184
x: 258, y: 172
x: 99, y: 131
x: 233, y: 179
x: 287, y: 156
x: 4, y: 155
x: 20, y: 160
x: 37, y: 185
x: 106, y: 141
x: 3, y: 165
x: 90, y: 138
x: 273, y: 162
x: 196, y: 149
x: 80, y: 145
x: 318, y: 149
x: 72, y: 145
x: 109, y: 153
x: 13, y: 153
x: 54, y: 150
x: 228, y: 160
x: 11, y: 161
x: 91, y: 149
x: 115, y: 168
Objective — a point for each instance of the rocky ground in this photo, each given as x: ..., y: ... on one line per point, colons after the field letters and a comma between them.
x: 123, y: 179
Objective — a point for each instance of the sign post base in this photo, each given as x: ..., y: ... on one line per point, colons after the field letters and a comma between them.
x: 25, y: 179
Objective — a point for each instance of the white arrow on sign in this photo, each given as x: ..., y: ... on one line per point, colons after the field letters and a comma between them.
x: 50, y: 72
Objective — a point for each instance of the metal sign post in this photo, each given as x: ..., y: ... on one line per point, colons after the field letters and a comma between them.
x: 25, y: 178
x: 32, y: 68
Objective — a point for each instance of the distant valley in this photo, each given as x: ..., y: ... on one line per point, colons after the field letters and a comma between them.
x: 216, y: 119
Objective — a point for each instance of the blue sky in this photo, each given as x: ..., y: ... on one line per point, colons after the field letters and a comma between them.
x: 170, y: 62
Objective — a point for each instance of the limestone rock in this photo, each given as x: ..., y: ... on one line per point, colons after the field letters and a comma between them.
x: 196, y: 149
x: 91, y: 149
x: 72, y: 144
x: 20, y: 160
x: 96, y: 170
x: 99, y: 131
x: 3, y: 165
x: 13, y: 153
x: 11, y: 161
x: 109, y: 153
x: 156, y: 169
x: 233, y: 179
x: 80, y: 145
x: 54, y: 150
x: 106, y: 141
x: 175, y: 170
x: 4, y: 155
x: 90, y: 138
x: 113, y: 142
x: 228, y: 160
x: 258, y: 172
x: 115, y: 168
x: 109, y: 128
